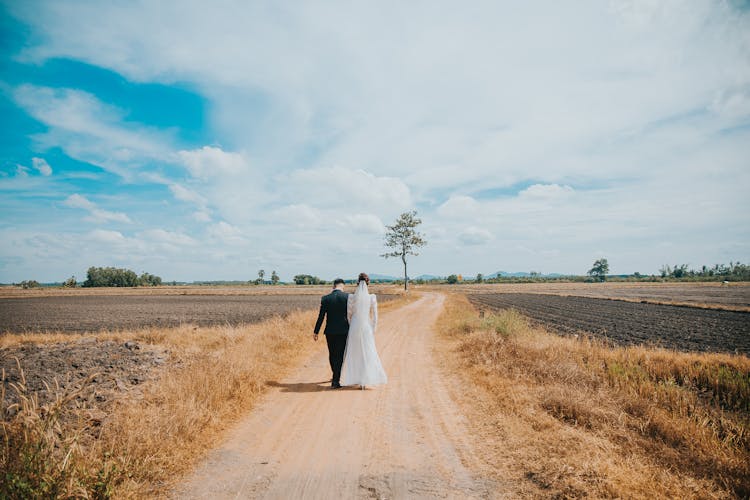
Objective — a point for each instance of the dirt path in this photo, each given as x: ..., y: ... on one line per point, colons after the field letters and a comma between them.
x: 402, y: 440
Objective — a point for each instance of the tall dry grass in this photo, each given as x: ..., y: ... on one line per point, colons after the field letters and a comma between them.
x: 214, y: 376
x: 566, y: 417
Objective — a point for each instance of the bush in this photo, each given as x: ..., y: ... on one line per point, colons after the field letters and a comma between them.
x: 29, y: 284
x: 452, y: 279
x: 70, y: 282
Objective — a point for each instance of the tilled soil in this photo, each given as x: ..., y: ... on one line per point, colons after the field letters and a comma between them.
x: 631, y: 323
x: 115, y: 368
x: 127, y: 312
x: 91, y: 313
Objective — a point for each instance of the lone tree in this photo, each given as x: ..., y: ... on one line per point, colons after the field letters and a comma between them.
x: 600, y: 270
x: 274, y: 277
x: 404, y: 239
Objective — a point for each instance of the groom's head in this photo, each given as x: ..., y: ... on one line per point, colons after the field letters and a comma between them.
x: 338, y: 283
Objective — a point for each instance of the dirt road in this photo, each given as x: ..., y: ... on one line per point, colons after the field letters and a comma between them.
x: 403, y: 440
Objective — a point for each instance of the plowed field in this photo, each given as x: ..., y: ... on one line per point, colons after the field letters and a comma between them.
x: 125, y: 312
x: 629, y: 323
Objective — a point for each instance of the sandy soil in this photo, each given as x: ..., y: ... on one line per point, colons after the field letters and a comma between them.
x: 403, y: 440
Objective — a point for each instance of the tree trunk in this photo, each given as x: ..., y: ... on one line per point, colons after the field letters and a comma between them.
x: 406, y: 276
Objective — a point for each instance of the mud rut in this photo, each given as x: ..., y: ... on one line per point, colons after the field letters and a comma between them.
x: 403, y: 440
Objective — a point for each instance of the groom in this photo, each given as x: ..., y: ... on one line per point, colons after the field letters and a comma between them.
x: 337, y: 327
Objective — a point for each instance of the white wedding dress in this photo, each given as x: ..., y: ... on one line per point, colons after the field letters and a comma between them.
x: 361, y: 361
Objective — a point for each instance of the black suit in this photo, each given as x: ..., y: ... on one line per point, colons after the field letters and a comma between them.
x: 333, y: 306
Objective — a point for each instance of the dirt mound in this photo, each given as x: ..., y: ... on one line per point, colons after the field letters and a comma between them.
x: 117, y: 368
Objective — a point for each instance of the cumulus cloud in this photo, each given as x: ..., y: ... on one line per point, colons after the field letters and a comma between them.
x: 459, y: 206
x: 96, y: 214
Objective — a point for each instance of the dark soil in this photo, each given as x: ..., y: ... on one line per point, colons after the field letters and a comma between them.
x: 92, y: 313
x: 127, y: 312
x: 631, y: 323
x: 117, y: 368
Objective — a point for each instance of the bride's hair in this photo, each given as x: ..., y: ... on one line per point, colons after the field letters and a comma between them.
x: 363, y: 277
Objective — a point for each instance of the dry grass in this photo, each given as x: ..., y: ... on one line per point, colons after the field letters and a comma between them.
x: 215, y: 375
x: 566, y: 417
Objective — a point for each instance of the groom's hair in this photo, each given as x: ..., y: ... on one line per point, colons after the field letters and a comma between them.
x: 338, y: 281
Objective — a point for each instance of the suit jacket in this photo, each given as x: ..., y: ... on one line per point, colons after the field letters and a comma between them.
x: 333, y: 306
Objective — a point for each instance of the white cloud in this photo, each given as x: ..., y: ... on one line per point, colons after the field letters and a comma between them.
x: 460, y: 207
x: 201, y: 216
x: 96, y: 214
x: 298, y: 215
x: 42, y: 166
x: 168, y: 237
x: 184, y: 194
x: 210, y: 162
x: 108, y: 237
x: 347, y: 188
x: 362, y: 223
x: 475, y: 236
x: 224, y: 232
x: 89, y: 130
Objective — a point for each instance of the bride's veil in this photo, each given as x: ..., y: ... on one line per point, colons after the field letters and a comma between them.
x: 361, y: 303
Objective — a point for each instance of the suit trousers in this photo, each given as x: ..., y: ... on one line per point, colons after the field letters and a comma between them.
x: 336, y: 347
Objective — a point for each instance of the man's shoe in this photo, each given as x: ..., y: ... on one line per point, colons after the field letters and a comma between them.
x: 335, y: 385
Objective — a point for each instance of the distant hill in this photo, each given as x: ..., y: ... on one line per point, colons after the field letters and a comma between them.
x: 503, y: 274
x: 382, y: 277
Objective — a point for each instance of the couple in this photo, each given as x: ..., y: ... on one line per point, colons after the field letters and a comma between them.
x: 350, y: 334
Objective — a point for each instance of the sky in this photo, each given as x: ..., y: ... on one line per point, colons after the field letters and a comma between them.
x: 207, y: 140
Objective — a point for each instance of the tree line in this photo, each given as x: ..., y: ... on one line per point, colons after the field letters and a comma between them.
x: 116, y: 277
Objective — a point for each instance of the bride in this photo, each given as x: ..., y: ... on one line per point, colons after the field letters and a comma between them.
x: 361, y: 361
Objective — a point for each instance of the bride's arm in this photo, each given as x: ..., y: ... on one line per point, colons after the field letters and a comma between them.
x: 349, y: 307
x: 374, y: 313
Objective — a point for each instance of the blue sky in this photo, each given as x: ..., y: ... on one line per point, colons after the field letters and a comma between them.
x: 199, y: 141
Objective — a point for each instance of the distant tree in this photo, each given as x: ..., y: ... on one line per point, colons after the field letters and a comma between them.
x: 599, y: 270
x: 147, y: 279
x: 480, y: 278
x: 404, y: 239
x: 70, y: 282
x: 274, y: 278
x: 535, y: 274
x: 452, y: 279
x: 26, y: 284
x: 261, y: 275
x: 306, y: 279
